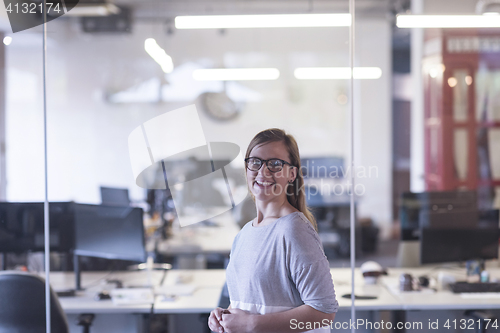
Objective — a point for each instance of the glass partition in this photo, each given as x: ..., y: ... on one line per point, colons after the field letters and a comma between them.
x: 136, y: 102
x: 22, y: 153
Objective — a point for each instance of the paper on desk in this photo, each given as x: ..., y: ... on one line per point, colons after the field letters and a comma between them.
x: 177, y: 289
x: 127, y: 296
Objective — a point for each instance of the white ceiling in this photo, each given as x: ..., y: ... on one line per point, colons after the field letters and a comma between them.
x: 166, y: 10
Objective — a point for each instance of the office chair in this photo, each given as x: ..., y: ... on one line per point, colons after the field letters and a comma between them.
x: 22, y: 304
x: 482, y: 318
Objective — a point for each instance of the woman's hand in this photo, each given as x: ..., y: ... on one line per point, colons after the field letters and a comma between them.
x: 237, y: 321
x: 214, y: 320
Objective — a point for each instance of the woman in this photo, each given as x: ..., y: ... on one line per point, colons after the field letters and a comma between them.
x: 278, y: 276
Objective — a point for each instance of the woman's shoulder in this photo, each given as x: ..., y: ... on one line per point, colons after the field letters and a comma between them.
x: 297, y: 222
x: 301, y: 237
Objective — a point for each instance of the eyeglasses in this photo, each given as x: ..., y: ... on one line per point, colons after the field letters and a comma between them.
x: 273, y: 164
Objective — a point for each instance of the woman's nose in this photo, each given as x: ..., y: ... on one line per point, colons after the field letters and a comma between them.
x: 264, y: 171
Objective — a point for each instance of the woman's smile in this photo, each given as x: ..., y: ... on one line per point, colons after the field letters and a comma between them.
x: 263, y: 184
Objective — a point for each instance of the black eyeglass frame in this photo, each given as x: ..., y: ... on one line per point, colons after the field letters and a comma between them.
x: 266, y: 163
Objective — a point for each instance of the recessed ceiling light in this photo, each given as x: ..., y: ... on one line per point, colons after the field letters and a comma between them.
x: 337, y: 73
x: 262, y: 21
x: 236, y: 74
x: 448, y: 21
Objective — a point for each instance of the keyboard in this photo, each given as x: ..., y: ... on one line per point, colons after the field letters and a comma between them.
x: 465, y: 287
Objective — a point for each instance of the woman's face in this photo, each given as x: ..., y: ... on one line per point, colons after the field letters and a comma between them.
x: 264, y: 184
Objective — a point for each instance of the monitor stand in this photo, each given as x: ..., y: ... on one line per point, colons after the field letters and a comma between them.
x: 78, y: 276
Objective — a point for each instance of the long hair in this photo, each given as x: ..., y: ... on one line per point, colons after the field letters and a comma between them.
x: 295, y: 192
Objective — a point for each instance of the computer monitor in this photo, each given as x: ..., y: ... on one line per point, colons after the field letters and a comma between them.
x: 445, y: 209
x: 322, y: 167
x: 111, y: 196
x: 452, y: 245
x: 108, y: 232
x: 22, y: 226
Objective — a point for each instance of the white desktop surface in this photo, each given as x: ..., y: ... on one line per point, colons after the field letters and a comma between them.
x: 202, y: 278
x: 205, y: 297
x: 203, y: 300
x: 197, y: 238
x: 342, y: 282
x: 92, y: 283
x: 208, y: 285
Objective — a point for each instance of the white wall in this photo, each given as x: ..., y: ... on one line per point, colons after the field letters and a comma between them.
x: 88, y: 136
x: 373, y: 131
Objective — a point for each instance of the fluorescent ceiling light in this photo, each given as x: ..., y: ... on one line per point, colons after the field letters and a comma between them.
x: 448, y: 21
x: 236, y: 74
x: 262, y: 21
x: 7, y: 40
x: 159, y: 55
x: 336, y: 73
x: 102, y: 9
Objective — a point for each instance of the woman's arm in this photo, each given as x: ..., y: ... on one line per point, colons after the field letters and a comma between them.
x: 300, y: 319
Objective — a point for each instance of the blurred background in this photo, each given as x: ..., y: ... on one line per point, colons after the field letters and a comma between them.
x: 426, y: 119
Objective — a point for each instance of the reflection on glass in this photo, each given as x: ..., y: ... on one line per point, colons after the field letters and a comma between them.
x: 494, y: 141
x: 452, y: 82
x: 24, y: 169
x: 460, y: 153
x: 468, y: 80
x: 433, y: 97
x: 460, y: 93
x: 488, y: 94
x: 496, y: 203
x: 433, y: 150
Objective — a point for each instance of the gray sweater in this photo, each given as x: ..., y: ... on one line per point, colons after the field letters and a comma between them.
x: 278, y: 267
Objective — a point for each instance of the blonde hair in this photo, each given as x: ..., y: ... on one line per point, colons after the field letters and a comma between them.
x: 295, y: 192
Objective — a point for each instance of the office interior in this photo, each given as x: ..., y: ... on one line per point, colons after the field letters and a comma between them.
x: 417, y: 129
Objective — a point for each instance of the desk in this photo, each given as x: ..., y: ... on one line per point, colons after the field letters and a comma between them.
x: 209, y: 283
x: 342, y: 281
x: 205, y: 298
x: 130, y: 318
x: 85, y: 302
